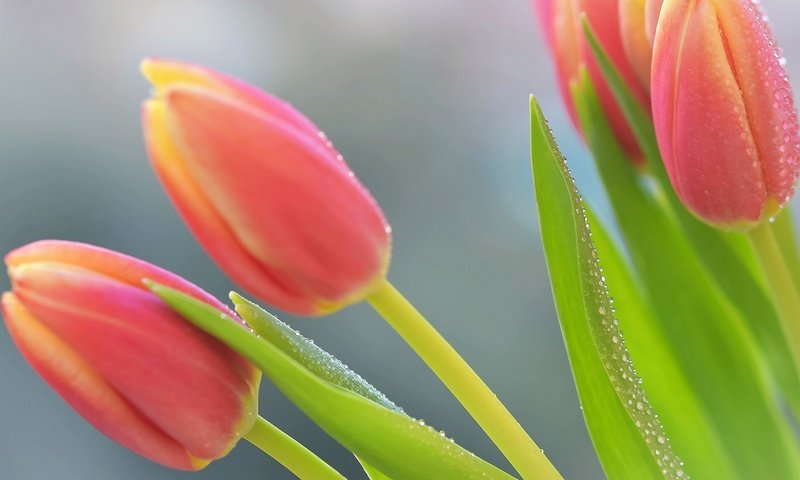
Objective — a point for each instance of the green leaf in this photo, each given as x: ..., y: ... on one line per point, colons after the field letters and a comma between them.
x: 625, y: 431
x: 371, y: 472
x: 386, y: 439
x: 305, y: 352
x: 727, y: 256
x: 704, y: 331
x: 309, y: 355
x: 783, y: 226
x: 684, y: 418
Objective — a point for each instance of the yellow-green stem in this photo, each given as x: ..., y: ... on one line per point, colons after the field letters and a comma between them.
x: 289, y: 452
x: 781, y: 285
x: 484, y: 406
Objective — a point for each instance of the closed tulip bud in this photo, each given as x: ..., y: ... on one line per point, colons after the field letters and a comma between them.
x: 724, y: 111
x: 122, y: 359
x: 561, y: 23
x: 263, y: 190
x: 638, y: 20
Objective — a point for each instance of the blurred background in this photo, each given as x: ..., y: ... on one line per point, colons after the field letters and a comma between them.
x: 427, y: 100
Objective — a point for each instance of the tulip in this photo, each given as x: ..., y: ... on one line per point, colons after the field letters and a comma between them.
x: 122, y: 359
x: 561, y: 23
x: 638, y: 20
x: 263, y: 190
x: 724, y: 111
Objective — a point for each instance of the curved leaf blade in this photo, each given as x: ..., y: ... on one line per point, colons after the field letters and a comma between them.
x: 683, y: 416
x: 704, y: 330
x: 307, y: 353
x: 312, y: 357
x: 728, y: 256
x: 626, y: 433
x: 384, y: 438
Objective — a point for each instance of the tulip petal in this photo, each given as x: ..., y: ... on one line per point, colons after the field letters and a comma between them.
x: 638, y: 47
x: 561, y: 24
x: 261, y: 168
x: 755, y: 62
x: 121, y: 267
x: 603, y: 16
x: 145, y: 352
x: 652, y: 12
x: 167, y: 73
x: 701, y: 119
x: 214, y: 234
x: 86, y: 391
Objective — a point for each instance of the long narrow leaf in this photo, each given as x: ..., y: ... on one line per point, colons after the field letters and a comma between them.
x: 727, y: 256
x: 391, y: 442
x: 315, y: 359
x: 703, y: 330
x: 684, y: 417
x: 626, y: 433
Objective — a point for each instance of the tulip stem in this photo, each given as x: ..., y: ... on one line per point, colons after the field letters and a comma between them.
x: 781, y: 285
x: 484, y: 406
x: 289, y: 452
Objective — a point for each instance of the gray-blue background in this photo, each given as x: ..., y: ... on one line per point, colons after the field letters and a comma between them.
x: 427, y: 100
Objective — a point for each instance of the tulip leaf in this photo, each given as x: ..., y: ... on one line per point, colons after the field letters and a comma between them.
x: 727, y: 256
x: 684, y: 418
x: 701, y: 326
x: 309, y: 355
x: 384, y: 438
x: 371, y: 472
x: 626, y: 432
x: 783, y: 226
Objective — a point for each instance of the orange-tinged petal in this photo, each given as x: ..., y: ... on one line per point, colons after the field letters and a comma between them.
x: 86, y: 391
x: 169, y: 73
x: 273, y: 202
x: 652, y: 12
x: 208, y: 225
x: 179, y: 382
x: 168, y: 370
x: 290, y: 202
x: 638, y: 48
x: 123, y: 268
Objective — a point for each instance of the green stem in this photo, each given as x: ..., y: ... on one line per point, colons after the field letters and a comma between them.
x: 781, y: 285
x: 484, y: 406
x: 289, y: 452
x: 783, y: 229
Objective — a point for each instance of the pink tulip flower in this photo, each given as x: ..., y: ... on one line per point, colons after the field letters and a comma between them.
x: 638, y: 20
x: 561, y: 23
x: 724, y: 111
x: 122, y: 359
x: 263, y: 190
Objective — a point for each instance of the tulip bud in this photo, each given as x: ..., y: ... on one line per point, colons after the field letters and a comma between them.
x: 638, y: 20
x: 122, y: 359
x: 264, y: 192
x: 724, y: 111
x: 561, y: 23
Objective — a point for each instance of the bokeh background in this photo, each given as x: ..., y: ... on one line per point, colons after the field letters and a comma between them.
x: 427, y: 100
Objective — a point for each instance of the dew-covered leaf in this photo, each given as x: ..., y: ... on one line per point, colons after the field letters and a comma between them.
x: 312, y: 357
x: 727, y: 256
x: 389, y: 441
x: 306, y: 352
x: 627, y: 435
x: 701, y: 326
